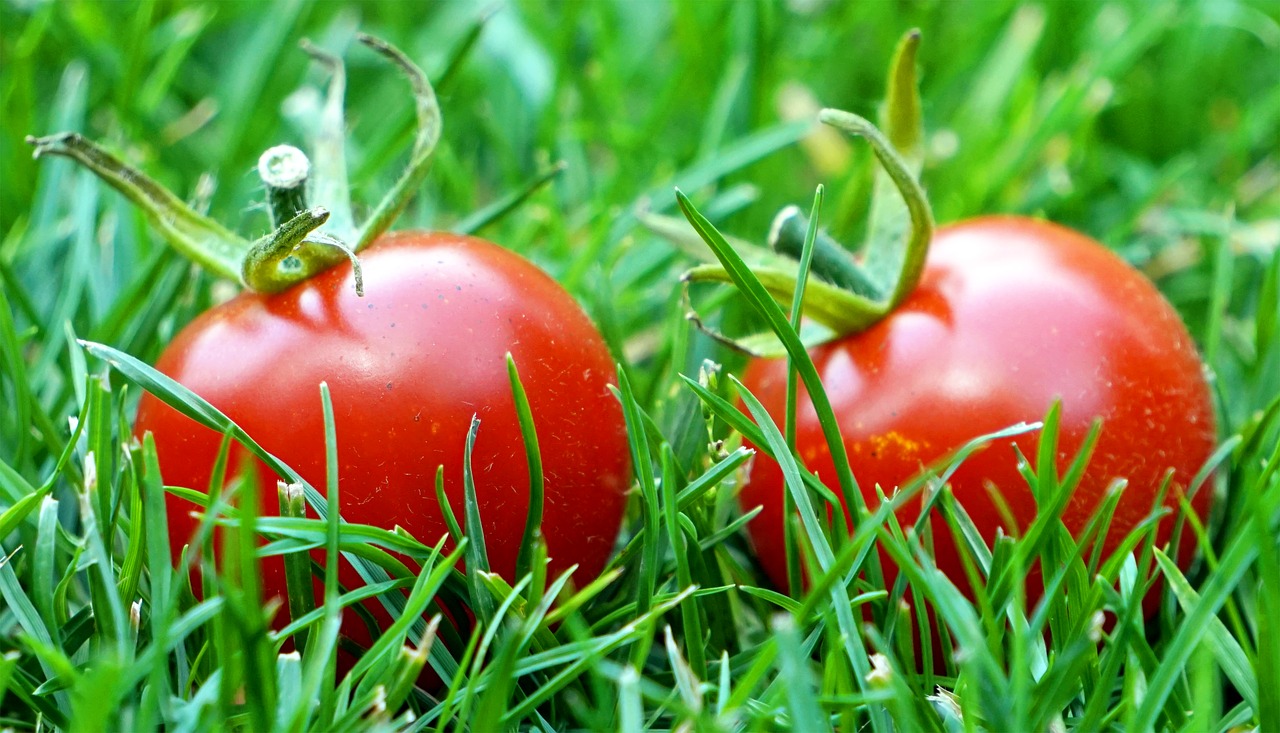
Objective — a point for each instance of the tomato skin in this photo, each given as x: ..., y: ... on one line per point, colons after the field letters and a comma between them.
x: 1011, y: 313
x: 408, y: 365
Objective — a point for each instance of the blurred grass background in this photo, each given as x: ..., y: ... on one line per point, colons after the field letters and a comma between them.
x: 1136, y: 122
x: 1153, y: 126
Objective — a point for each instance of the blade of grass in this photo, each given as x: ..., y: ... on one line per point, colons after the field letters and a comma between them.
x: 841, y: 603
x: 477, y: 555
x: 533, y: 457
x: 689, y: 611
x: 794, y: 578
x: 643, y: 464
x: 1235, y: 562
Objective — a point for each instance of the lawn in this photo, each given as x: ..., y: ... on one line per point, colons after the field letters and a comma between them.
x: 587, y: 137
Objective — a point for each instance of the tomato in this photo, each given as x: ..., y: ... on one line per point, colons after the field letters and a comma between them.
x: 408, y: 365
x: 1011, y: 314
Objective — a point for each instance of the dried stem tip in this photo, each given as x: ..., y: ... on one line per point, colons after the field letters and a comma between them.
x: 284, y: 166
x: 284, y: 170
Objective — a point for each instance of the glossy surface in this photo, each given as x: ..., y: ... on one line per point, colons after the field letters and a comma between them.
x: 1011, y: 314
x: 408, y: 365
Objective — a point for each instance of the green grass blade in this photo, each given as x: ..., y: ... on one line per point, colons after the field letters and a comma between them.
x: 477, y: 556
x: 793, y: 665
x: 1240, y: 553
x: 533, y: 457
x: 643, y: 463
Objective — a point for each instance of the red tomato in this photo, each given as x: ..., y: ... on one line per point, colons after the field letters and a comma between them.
x: 408, y: 365
x: 1010, y: 315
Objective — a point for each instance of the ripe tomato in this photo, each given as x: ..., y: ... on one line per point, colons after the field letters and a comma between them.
x: 1011, y: 314
x: 408, y: 365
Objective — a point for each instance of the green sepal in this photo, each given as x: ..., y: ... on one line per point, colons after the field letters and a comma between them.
x: 199, y: 238
x: 888, y: 227
x: 847, y: 295
x: 294, y: 252
x: 424, y: 143
x: 836, y: 308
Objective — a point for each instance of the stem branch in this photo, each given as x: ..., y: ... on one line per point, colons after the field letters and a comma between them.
x: 831, y: 261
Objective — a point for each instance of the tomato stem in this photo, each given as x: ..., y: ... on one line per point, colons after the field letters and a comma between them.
x: 901, y: 224
x: 294, y: 252
x: 831, y: 261
x: 849, y: 294
x: 921, y: 234
x: 901, y: 117
x: 284, y: 169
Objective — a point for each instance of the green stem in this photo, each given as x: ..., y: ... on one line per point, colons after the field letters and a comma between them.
x: 295, y: 251
x: 429, y: 127
x: 901, y: 117
x: 831, y: 261
x: 284, y: 170
x: 901, y: 121
x: 852, y: 294
x: 850, y: 298
x: 199, y: 238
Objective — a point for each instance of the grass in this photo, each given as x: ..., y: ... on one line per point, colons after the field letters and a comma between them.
x: 1149, y: 126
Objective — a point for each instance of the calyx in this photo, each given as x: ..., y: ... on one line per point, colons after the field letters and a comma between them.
x: 846, y: 294
x: 305, y: 239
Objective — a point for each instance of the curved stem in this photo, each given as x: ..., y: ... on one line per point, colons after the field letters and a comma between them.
x: 917, y: 245
x: 429, y: 127
x: 847, y: 299
x: 199, y: 238
x: 831, y: 261
x: 850, y: 295
x: 295, y: 252
x: 900, y: 119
